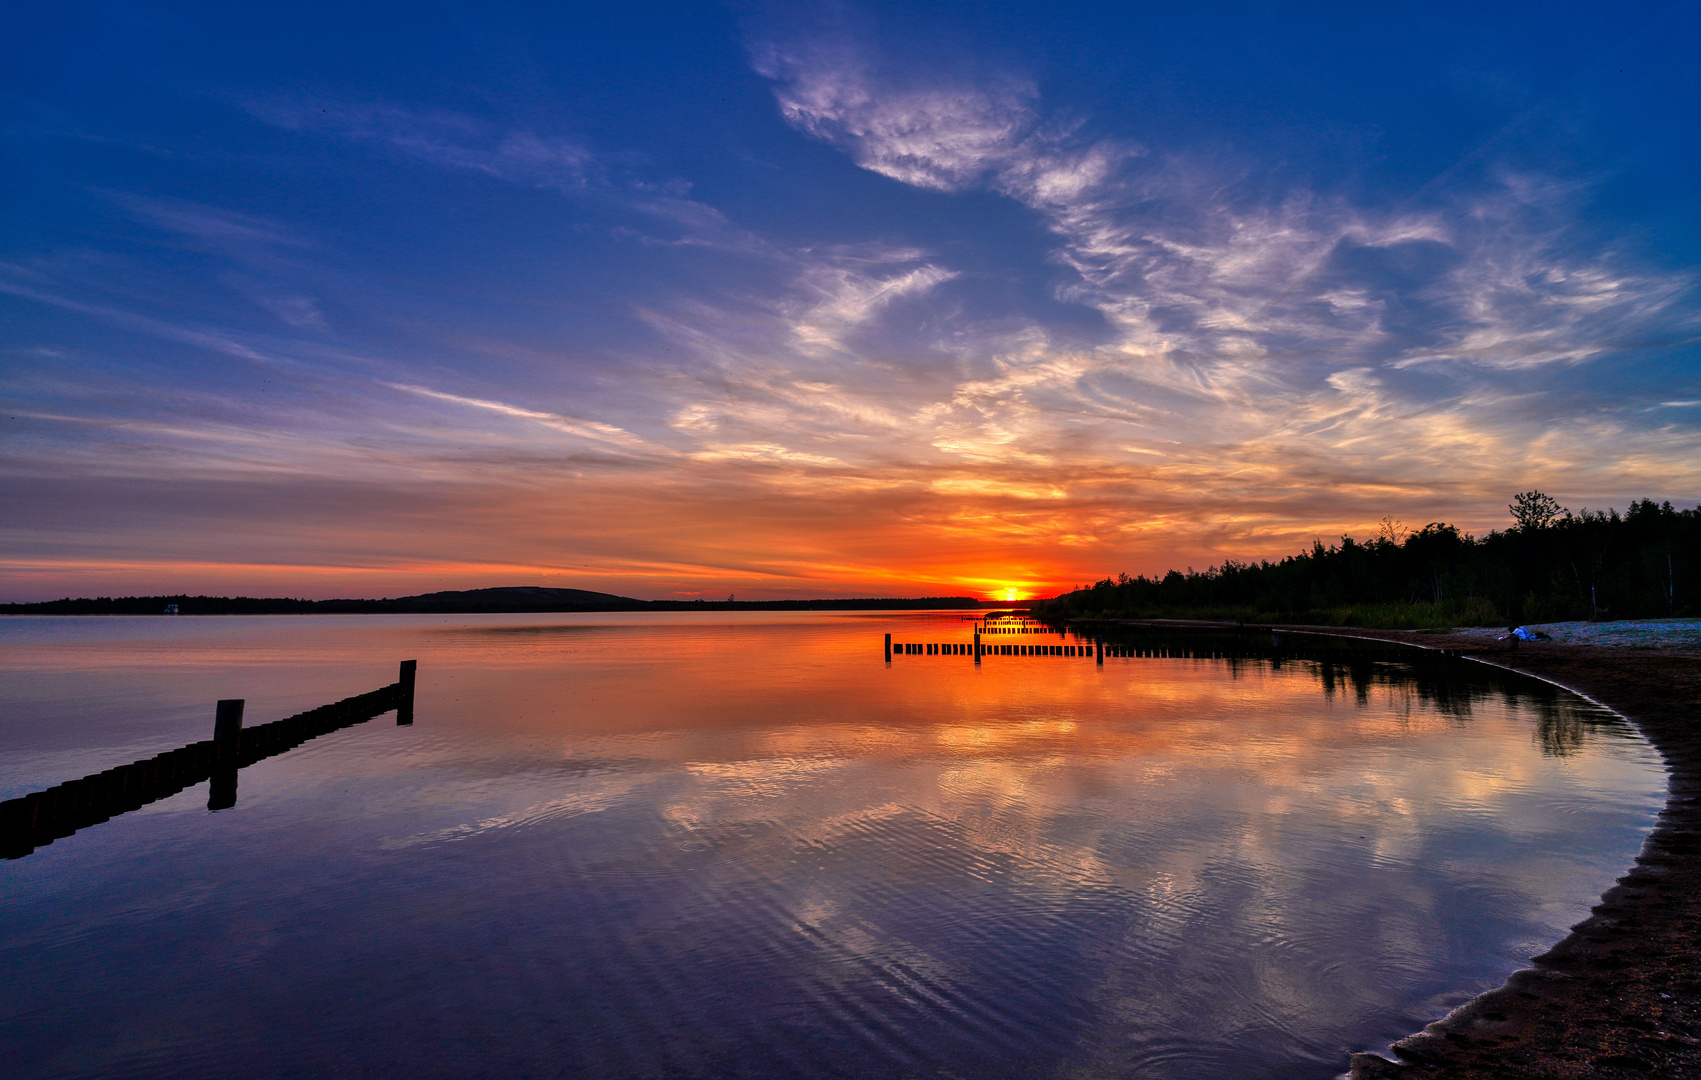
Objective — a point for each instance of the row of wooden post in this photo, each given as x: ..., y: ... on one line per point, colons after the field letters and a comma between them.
x: 978, y: 650
x: 37, y: 819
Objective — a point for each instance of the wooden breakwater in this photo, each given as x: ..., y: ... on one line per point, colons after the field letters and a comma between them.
x: 1340, y: 664
x: 1026, y: 638
x: 41, y: 817
x: 978, y: 649
x: 993, y: 637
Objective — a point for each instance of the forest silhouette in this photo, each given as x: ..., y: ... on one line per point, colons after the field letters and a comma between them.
x: 1550, y: 565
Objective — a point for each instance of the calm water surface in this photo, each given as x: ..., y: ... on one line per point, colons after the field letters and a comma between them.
x: 713, y: 845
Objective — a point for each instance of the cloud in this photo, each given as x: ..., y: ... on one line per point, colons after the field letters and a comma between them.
x: 766, y: 453
x: 218, y: 228
x: 584, y: 429
x: 845, y: 296
x: 516, y: 155
x: 1219, y: 296
x: 943, y: 137
x: 210, y: 340
x: 444, y: 138
x: 1163, y: 247
x: 301, y: 312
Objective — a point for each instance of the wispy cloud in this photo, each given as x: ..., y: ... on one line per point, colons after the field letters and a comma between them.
x: 515, y: 154
x: 223, y: 229
x: 210, y: 339
x: 444, y: 138
x: 584, y: 429
x: 1161, y: 246
x: 1249, y: 332
x: 301, y: 312
x: 934, y: 135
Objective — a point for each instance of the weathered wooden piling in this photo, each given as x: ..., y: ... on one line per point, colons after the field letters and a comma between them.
x: 404, y: 707
x: 227, y: 729
x: 977, y: 646
x: 888, y: 648
x: 227, y: 751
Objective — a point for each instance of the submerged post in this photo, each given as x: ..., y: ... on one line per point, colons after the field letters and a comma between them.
x: 227, y: 748
x: 888, y: 648
x: 1098, y: 652
x: 404, y: 708
x: 977, y: 646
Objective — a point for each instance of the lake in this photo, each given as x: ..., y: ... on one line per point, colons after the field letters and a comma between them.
x: 746, y: 845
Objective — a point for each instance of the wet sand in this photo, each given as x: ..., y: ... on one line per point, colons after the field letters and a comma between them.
x: 1621, y: 995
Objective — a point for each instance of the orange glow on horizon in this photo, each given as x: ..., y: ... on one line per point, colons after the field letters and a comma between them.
x: 664, y: 542
x: 401, y: 577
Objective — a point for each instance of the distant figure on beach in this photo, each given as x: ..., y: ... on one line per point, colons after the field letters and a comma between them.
x: 1516, y: 634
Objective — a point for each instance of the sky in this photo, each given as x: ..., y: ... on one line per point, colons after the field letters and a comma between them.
x: 699, y: 300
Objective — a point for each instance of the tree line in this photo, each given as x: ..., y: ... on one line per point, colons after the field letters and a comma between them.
x: 1550, y: 565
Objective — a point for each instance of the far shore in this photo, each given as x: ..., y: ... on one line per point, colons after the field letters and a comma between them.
x: 515, y: 601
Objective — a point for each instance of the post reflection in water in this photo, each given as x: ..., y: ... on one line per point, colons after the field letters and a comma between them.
x: 633, y: 846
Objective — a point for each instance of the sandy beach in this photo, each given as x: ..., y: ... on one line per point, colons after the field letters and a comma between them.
x: 1670, y: 635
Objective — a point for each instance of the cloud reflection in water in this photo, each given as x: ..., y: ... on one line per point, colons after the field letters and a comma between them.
x: 643, y: 845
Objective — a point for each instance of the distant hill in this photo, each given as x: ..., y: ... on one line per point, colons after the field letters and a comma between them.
x: 510, y: 598
x: 519, y: 599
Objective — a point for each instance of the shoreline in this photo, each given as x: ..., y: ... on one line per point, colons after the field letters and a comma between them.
x: 1620, y: 995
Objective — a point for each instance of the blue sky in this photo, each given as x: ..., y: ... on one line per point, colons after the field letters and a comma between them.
x: 678, y: 300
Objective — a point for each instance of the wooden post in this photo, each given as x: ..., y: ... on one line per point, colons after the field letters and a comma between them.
x: 404, y: 708
x: 977, y: 646
x: 888, y: 648
x: 1098, y: 653
x: 227, y: 729
x: 227, y: 748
